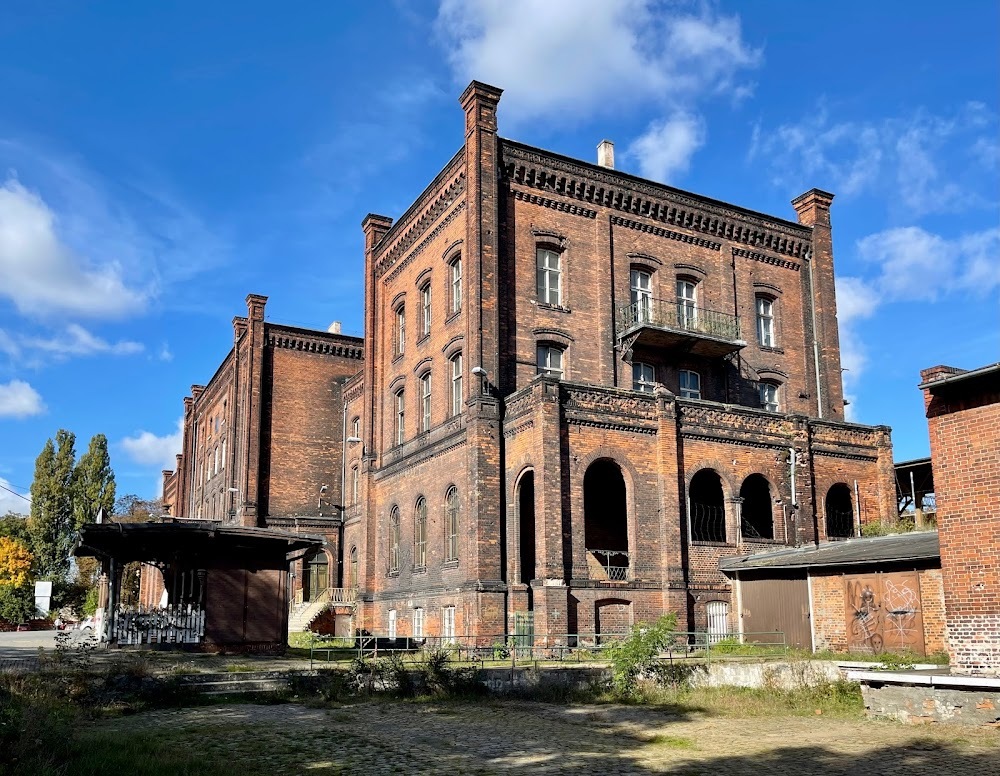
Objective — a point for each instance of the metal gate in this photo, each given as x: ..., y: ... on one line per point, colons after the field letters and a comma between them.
x: 776, y: 605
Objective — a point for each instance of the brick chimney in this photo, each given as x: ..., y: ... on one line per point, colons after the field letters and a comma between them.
x: 606, y: 154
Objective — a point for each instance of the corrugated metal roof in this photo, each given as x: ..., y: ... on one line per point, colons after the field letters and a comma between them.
x: 920, y: 545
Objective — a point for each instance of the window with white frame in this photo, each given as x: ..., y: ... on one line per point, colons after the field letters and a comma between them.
x: 355, y: 479
x: 451, y: 525
x: 425, y: 305
x: 769, y: 396
x: 400, y: 416
x: 448, y: 625
x: 687, y: 304
x: 392, y: 625
x: 394, y: 541
x: 548, y: 276
x: 418, y: 623
x: 456, y: 284
x: 690, y: 384
x: 420, y: 534
x: 457, y: 398
x: 641, y: 283
x: 216, y: 460
x: 765, y: 322
x: 425, y: 401
x: 400, y: 329
x: 356, y: 428
x: 352, y: 579
x: 643, y: 377
x: 550, y: 360
x: 223, y: 461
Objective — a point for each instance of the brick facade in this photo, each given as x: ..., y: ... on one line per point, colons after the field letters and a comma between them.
x: 263, y: 441
x: 585, y: 496
x: 963, y: 419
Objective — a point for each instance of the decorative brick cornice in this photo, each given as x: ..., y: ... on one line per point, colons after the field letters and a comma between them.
x: 327, y: 345
x: 659, y: 231
x: 562, y: 207
x: 763, y: 257
x: 557, y: 175
x: 384, y: 267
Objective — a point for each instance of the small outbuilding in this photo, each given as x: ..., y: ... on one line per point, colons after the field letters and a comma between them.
x: 222, y: 587
x: 882, y: 594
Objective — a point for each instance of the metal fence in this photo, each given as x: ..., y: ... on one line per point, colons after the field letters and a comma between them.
x: 674, y: 315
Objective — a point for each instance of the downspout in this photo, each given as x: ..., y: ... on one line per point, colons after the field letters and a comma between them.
x: 343, y: 486
x: 857, y: 508
x: 736, y: 314
x: 795, y: 505
x: 812, y: 311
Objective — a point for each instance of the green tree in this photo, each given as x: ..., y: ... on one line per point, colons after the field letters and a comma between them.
x: 15, y: 526
x: 94, y: 483
x: 51, y: 521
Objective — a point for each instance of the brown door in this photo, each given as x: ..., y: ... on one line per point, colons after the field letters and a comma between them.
x: 772, y: 606
x: 883, y: 613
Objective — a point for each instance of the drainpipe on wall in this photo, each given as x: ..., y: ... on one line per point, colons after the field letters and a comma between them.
x: 812, y: 312
x: 857, y: 509
x: 794, y: 500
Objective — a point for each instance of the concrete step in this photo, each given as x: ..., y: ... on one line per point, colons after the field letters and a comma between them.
x: 239, y: 683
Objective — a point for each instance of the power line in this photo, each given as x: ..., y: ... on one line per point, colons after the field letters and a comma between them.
x: 15, y: 493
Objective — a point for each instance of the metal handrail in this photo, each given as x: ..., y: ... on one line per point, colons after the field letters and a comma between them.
x: 678, y: 316
x: 615, y: 572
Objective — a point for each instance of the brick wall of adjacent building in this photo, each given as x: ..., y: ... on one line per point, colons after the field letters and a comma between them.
x: 963, y: 419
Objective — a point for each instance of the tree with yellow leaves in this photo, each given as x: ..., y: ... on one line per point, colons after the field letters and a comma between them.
x: 15, y: 562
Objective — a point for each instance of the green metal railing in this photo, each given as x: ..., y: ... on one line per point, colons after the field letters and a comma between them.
x: 677, y: 316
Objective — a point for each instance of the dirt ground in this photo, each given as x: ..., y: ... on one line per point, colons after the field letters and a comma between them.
x: 520, y: 737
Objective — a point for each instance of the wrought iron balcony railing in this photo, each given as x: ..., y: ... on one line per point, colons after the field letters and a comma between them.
x: 614, y: 563
x: 678, y: 316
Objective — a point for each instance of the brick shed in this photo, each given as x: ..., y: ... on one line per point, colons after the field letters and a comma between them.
x: 875, y: 595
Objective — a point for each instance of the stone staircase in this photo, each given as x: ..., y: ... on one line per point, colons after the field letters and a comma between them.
x: 302, y: 613
x: 238, y: 683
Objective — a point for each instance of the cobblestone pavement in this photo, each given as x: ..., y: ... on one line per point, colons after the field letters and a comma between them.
x: 520, y: 737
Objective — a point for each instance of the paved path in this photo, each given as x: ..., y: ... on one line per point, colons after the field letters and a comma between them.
x: 528, y: 738
x: 26, y: 643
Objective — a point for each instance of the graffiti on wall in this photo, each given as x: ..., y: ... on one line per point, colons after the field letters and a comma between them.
x: 883, y: 613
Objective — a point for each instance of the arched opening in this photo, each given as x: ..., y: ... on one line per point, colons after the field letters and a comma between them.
x: 316, y: 568
x: 708, y: 511
x: 839, y: 512
x: 526, y: 528
x: 605, y: 516
x: 352, y: 580
x: 757, y: 521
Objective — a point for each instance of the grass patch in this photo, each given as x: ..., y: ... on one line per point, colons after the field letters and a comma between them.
x: 671, y: 742
x: 834, y: 699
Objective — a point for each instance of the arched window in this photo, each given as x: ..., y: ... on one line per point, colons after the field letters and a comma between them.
x: 643, y: 377
x: 425, y: 305
x: 456, y: 284
x: 400, y: 329
x: 766, y: 334
x: 425, y: 401
x: 548, y: 271
x: 707, y: 510
x: 352, y: 578
x: 420, y: 534
x: 839, y: 512
x: 769, y: 396
x: 689, y: 384
x: 394, y: 541
x: 550, y: 360
x: 451, y: 525
x: 756, y: 521
x: 400, y: 416
x: 457, y: 397
x: 605, y: 519
x: 687, y: 304
x: 641, y: 295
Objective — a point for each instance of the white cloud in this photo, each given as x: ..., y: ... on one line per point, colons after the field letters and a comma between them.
x: 910, y: 264
x: 927, y: 163
x: 573, y: 58
x: 151, y: 450
x: 165, y: 353
x: 11, y: 503
x: 77, y: 341
x: 666, y: 148
x: 19, y: 400
x: 42, y: 275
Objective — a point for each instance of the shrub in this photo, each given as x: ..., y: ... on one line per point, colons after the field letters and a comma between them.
x: 637, y: 656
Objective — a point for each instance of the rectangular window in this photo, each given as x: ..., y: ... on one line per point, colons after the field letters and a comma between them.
x: 457, y: 398
x: 687, y: 310
x: 418, y: 623
x: 550, y: 361
x: 456, y: 285
x: 765, y: 321
x: 549, y: 276
x: 223, y: 464
x: 400, y: 417
x: 356, y: 428
x: 425, y: 303
x: 690, y: 384
x: 425, y: 402
x: 354, y: 485
x: 392, y: 625
x: 400, y: 329
x: 641, y: 295
x: 448, y: 625
x: 643, y: 377
x: 769, y: 397
x: 217, y: 460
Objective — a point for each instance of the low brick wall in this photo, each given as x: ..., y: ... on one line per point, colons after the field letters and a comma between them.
x: 920, y: 705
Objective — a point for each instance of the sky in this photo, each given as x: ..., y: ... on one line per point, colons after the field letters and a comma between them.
x: 160, y: 161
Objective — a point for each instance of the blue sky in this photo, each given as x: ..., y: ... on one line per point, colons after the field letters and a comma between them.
x: 159, y: 161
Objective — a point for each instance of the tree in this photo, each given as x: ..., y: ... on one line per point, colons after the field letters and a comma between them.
x: 130, y: 508
x: 15, y: 562
x: 94, y: 483
x: 15, y: 526
x: 51, y: 521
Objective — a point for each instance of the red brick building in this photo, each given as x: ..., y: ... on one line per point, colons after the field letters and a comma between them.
x: 263, y: 441
x: 582, y: 390
x: 963, y: 419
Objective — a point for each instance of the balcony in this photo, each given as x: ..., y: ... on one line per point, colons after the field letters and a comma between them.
x: 665, y: 324
x: 609, y: 565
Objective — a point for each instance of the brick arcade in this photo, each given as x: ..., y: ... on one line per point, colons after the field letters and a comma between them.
x: 579, y: 391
